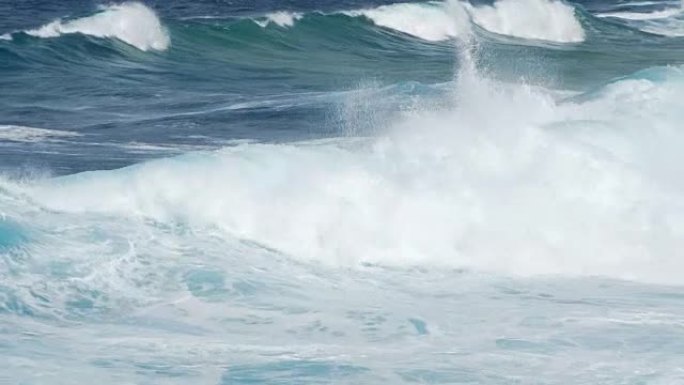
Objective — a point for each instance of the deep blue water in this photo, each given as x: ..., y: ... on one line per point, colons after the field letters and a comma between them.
x: 341, y: 192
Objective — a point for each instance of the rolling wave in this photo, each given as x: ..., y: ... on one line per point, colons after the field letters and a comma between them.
x: 132, y: 23
x: 548, y: 20
x: 281, y: 18
x: 436, y: 197
x: 433, y: 21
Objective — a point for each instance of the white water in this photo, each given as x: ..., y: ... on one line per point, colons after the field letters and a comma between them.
x: 549, y: 20
x: 133, y: 23
x: 189, y: 270
x: 282, y: 19
x: 511, y: 181
x: 434, y: 21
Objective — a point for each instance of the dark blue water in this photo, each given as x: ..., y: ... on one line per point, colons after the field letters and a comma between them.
x: 307, y: 192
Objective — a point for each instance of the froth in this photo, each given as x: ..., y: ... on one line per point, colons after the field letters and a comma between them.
x: 132, y: 23
x: 549, y: 20
x: 537, y: 187
x: 429, y: 21
x: 281, y: 18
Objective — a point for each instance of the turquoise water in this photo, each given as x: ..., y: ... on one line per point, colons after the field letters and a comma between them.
x: 341, y: 192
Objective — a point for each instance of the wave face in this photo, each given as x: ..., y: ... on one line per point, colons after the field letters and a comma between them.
x: 436, y: 21
x: 282, y: 19
x: 333, y: 192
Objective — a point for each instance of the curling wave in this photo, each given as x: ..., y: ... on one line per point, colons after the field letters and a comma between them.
x: 549, y: 20
x: 133, y: 23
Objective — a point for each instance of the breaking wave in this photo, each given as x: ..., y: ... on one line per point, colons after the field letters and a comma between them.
x: 549, y: 20
x: 133, y: 23
x: 580, y: 186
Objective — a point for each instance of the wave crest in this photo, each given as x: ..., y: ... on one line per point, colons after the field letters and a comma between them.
x: 429, y: 21
x: 281, y: 18
x: 132, y: 23
x: 549, y: 20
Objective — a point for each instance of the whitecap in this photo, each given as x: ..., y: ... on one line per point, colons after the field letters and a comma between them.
x: 281, y: 18
x: 548, y: 20
x: 133, y: 23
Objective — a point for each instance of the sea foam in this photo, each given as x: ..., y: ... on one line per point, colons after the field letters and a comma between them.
x: 281, y: 19
x: 133, y: 23
x: 549, y: 20
x: 431, y: 21
x: 584, y: 186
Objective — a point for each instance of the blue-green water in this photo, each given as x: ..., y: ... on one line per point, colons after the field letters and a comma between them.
x: 350, y: 192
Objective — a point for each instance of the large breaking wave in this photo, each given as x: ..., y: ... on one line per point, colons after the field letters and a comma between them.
x: 544, y: 185
x: 133, y: 23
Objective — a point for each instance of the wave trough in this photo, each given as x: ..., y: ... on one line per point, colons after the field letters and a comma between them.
x: 432, y: 21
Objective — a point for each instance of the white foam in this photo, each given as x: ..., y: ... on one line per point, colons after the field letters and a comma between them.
x: 432, y: 21
x: 31, y: 134
x: 281, y: 18
x: 549, y: 20
x: 131, y: 22
x: 509, y: 181
x: 6, y: 36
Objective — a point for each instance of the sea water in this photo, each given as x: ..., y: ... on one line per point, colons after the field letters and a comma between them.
x: 342, y: 192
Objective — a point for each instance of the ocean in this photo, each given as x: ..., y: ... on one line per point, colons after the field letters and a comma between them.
x: 342, y: 192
